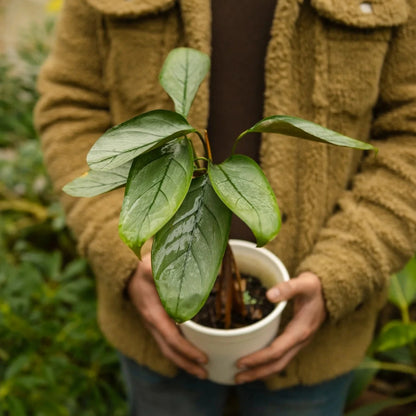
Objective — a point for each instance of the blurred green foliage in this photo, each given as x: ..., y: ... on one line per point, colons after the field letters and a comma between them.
x: 390, y: 365
x: 53, y: 358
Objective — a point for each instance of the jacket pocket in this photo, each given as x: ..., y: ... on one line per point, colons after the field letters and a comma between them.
x: 357, y: 35
x: 363, y: 13
x: 130, y: 8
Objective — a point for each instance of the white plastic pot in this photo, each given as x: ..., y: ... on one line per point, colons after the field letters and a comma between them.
x: 225, y: 346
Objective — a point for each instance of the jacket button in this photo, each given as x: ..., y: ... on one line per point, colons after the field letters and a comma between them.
x: 366, y: 7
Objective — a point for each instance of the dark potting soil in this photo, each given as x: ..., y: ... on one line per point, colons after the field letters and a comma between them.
x: 256, y: 305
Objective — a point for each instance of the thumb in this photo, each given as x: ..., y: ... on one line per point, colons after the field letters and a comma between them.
x: 301, y: 285
x: 282, y: 291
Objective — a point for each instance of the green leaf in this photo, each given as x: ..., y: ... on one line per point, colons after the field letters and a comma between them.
x: 403, y: 286
x: 138, y: 135
x: 401, y: 355
x: 95, y: 182
x: 303, y: 129
x: 157, y: 185
x: 396, y: 293
x: 20, y: 363
x: 394, y: 334
x: 243, y: 187
x: 187, y: 252
x: 16, y: 406
x: 181, y: 75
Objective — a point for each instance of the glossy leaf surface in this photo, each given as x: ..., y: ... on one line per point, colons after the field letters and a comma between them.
x: 157, y: 185
x: 303, y: 129
x: 94, y: 182
x: 243, y: 187
x: 136, y: 136
x: 187, y: 252
x: 182, y: 73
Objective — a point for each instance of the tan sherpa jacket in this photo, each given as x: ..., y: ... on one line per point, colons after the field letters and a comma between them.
x: 349, y: 217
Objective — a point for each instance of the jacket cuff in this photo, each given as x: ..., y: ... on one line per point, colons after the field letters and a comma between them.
x: 343, y: 289
x: 111, y: 260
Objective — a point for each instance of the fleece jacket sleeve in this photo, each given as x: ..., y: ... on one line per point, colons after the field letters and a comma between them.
x: 70, y: 116
x: 373, y: 232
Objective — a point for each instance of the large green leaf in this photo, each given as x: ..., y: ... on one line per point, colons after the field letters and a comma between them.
x: 303, y: 129
x: 181, y: 75
x: 95, y: 182
x: 157, y: 185
x: 243, y: 187
x: 187, y: 252
x: 394, y: 334
x: 138, y: 135
x: 403, y: 286
x: 401, y: 355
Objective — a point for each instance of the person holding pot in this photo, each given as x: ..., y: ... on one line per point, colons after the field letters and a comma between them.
x: 349, y: 218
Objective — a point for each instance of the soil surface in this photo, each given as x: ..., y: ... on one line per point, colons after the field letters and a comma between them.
x: 256, y: 305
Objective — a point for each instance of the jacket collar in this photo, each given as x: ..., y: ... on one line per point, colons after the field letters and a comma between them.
x: 196, y: 15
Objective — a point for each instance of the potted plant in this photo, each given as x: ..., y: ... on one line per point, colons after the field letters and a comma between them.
x: 184, y: 201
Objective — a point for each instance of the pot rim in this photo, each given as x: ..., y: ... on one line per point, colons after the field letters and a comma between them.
x: 257, y: 325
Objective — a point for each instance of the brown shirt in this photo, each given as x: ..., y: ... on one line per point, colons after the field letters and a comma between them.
x: 240, y: 34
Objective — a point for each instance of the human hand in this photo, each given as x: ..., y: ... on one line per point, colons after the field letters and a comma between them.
x: 174, y: 346
x: 309, y: 314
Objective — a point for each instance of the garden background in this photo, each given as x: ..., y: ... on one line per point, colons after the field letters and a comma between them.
x: 53, y: 359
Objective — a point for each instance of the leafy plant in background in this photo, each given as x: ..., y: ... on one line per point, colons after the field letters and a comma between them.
x: 184, y: 201
x: 390, y: 365
x: 53, y: 358
x: 18, y: 94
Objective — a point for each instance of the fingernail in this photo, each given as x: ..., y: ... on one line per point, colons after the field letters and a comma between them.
x: 242, y: 366
x: 273, y: 294
x: 202, y: 360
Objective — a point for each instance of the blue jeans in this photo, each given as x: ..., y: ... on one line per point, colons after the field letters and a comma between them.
x: 151, y: 394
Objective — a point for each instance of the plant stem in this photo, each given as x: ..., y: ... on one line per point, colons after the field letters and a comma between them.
x: 227, y: 270
x: 229, y: 295
x: 205, y: 143
x: 237, y: 140
x: 209, y: 153
x: 218, y: 298
x: 202, y: 158
x: 29, y: 207
x: 405, y: 314
x: 199, y: 166
x: 382, y: 365
x: 238, y: 290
